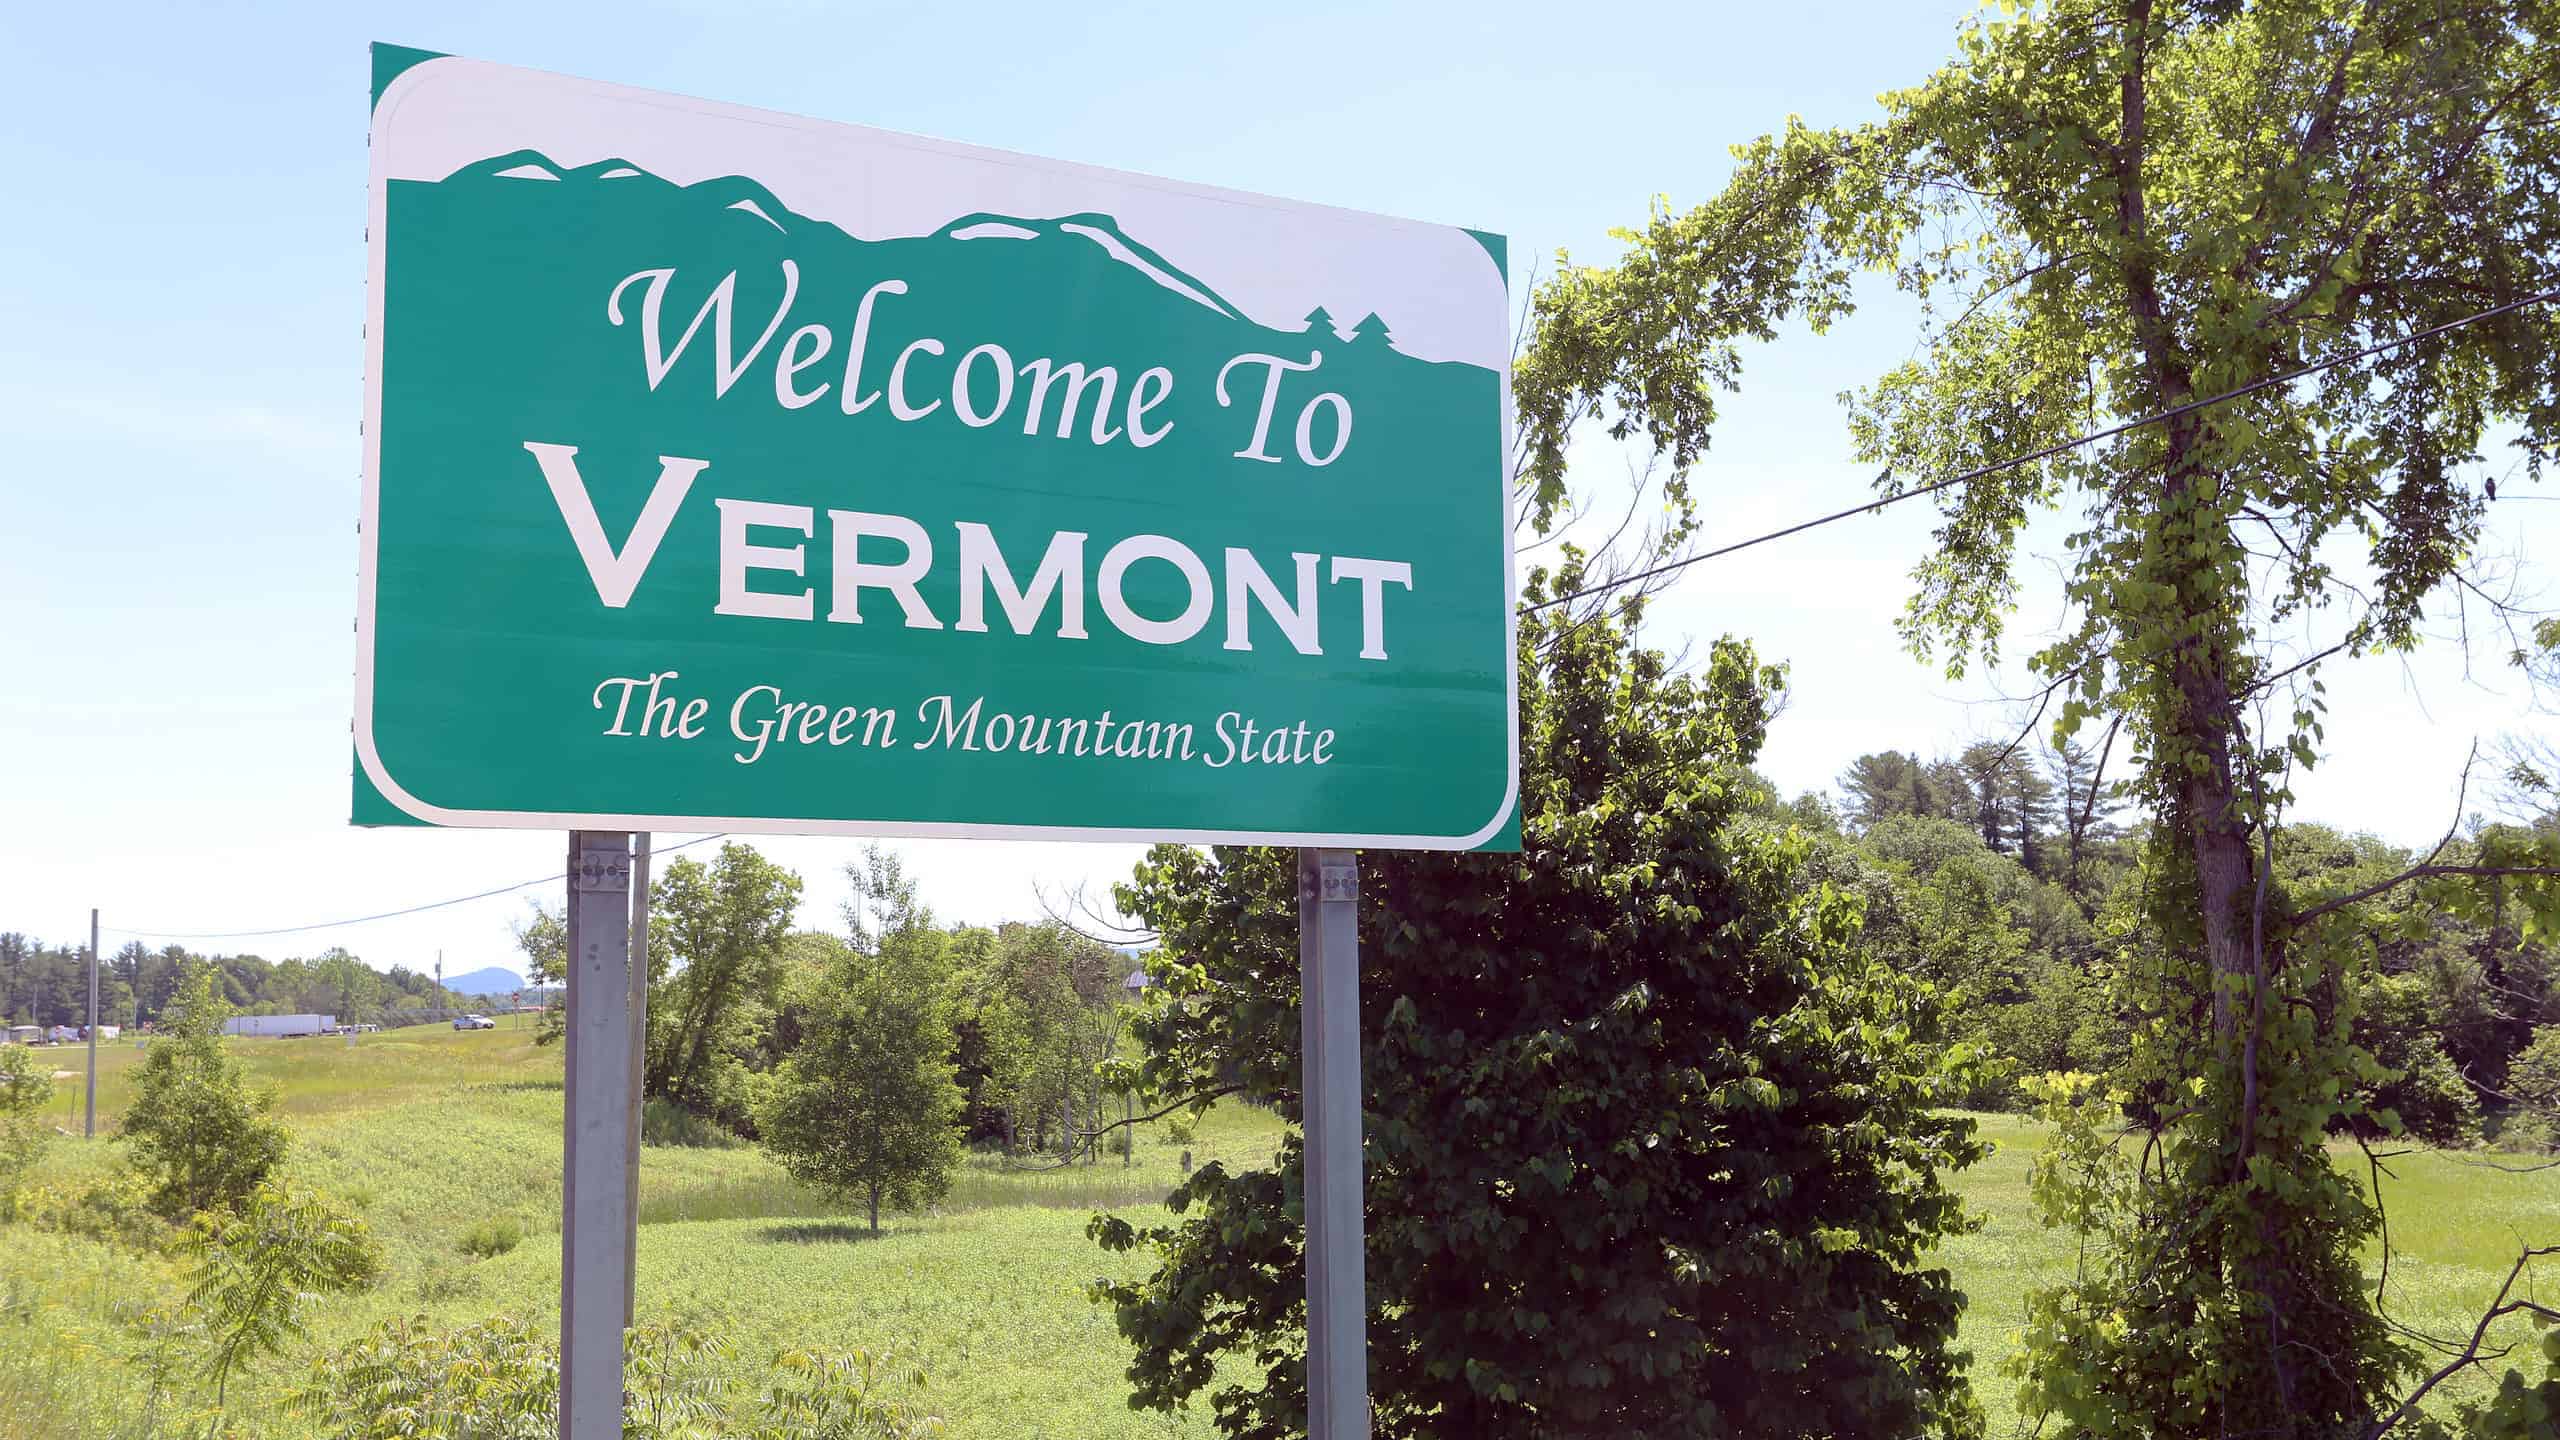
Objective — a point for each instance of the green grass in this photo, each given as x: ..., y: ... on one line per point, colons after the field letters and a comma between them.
x: 321, y: 1074
x: 437, y: 1134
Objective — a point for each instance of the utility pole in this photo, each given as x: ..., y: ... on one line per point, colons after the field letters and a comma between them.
x: 89, y: 1125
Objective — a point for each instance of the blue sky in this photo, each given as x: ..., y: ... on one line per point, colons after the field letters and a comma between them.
x: 181, y: 381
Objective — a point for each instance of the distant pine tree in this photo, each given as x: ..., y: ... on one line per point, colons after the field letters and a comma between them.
x: 1371, y: 331
x: 1320, y: 326
x: 1884, y: 784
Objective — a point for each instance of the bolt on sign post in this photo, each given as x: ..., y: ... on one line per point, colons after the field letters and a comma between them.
x: 726, y: 470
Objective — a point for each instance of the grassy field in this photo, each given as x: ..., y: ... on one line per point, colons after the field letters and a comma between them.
x: 429, y: 1131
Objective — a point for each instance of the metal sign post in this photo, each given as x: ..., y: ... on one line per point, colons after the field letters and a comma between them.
x: 596, y: 1206
x: 639, y: 1010
x: 1329, y: 1057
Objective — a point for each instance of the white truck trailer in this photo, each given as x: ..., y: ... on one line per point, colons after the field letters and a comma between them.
x: 278, y: 1025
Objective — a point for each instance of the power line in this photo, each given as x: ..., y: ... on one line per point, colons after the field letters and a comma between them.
x: 385, y: 915
x: 2048, y: 451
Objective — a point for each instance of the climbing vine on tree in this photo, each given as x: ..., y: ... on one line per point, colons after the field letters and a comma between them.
x: 2111, y: 209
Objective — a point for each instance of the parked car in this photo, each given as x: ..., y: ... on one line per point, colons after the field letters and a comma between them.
x: 474, y: 1022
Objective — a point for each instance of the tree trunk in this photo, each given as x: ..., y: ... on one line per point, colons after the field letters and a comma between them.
x: 2202, y: 716
x: 875, y: 1209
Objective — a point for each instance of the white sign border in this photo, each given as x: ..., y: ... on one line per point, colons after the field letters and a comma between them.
x: 369, y: 756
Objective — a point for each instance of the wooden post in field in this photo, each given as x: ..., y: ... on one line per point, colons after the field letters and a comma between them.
x: 89, y: 1125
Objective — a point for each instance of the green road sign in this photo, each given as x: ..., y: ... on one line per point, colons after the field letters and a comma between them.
x: 728, y: 470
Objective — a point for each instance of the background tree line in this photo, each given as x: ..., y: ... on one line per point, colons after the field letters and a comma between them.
x: 2013, y: 881
x: 1023, y: 1015
x: 48, y: 984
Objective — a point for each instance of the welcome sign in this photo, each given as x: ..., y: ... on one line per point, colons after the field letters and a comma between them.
x: 728, y: 470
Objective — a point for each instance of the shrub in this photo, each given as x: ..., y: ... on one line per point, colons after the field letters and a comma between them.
x: 664, y: 1122
x: 448, y: 1282
x: 820, y: 1395
x: 195, y: 1127
x: 255, y: 1268
x: 493, y: 1236
x: 114, y: 1209
x: 497, y: 1379
x: 26, y: 1083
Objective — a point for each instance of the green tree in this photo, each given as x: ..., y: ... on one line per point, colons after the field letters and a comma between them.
x: 544, y: 939
x: 2533, y: 1079
x: 2119, y: 208
x: 993, y: 1054
x: 882, y: 899
x: 1886, y: 784
x: 1056, y: 1003
x: 196, y: 1128
x: 331, y: 983
x: 124, y: 970
x: 2089, y: 803
x: 868, y: 1105
x: 1650, y: 1145
x: 716, y: 966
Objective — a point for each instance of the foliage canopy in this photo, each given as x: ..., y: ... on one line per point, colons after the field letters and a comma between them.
x: 1650, y: 1145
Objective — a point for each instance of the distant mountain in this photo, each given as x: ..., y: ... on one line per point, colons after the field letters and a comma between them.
x: 488, y: 981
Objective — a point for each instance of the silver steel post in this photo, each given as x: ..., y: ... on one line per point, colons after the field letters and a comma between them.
x: 1329, y: 1057
x: 596, y: 1213
x: 639, y: 1063
x: 89, y: 1125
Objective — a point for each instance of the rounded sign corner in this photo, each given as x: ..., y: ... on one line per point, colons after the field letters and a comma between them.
x: 392, y: 792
